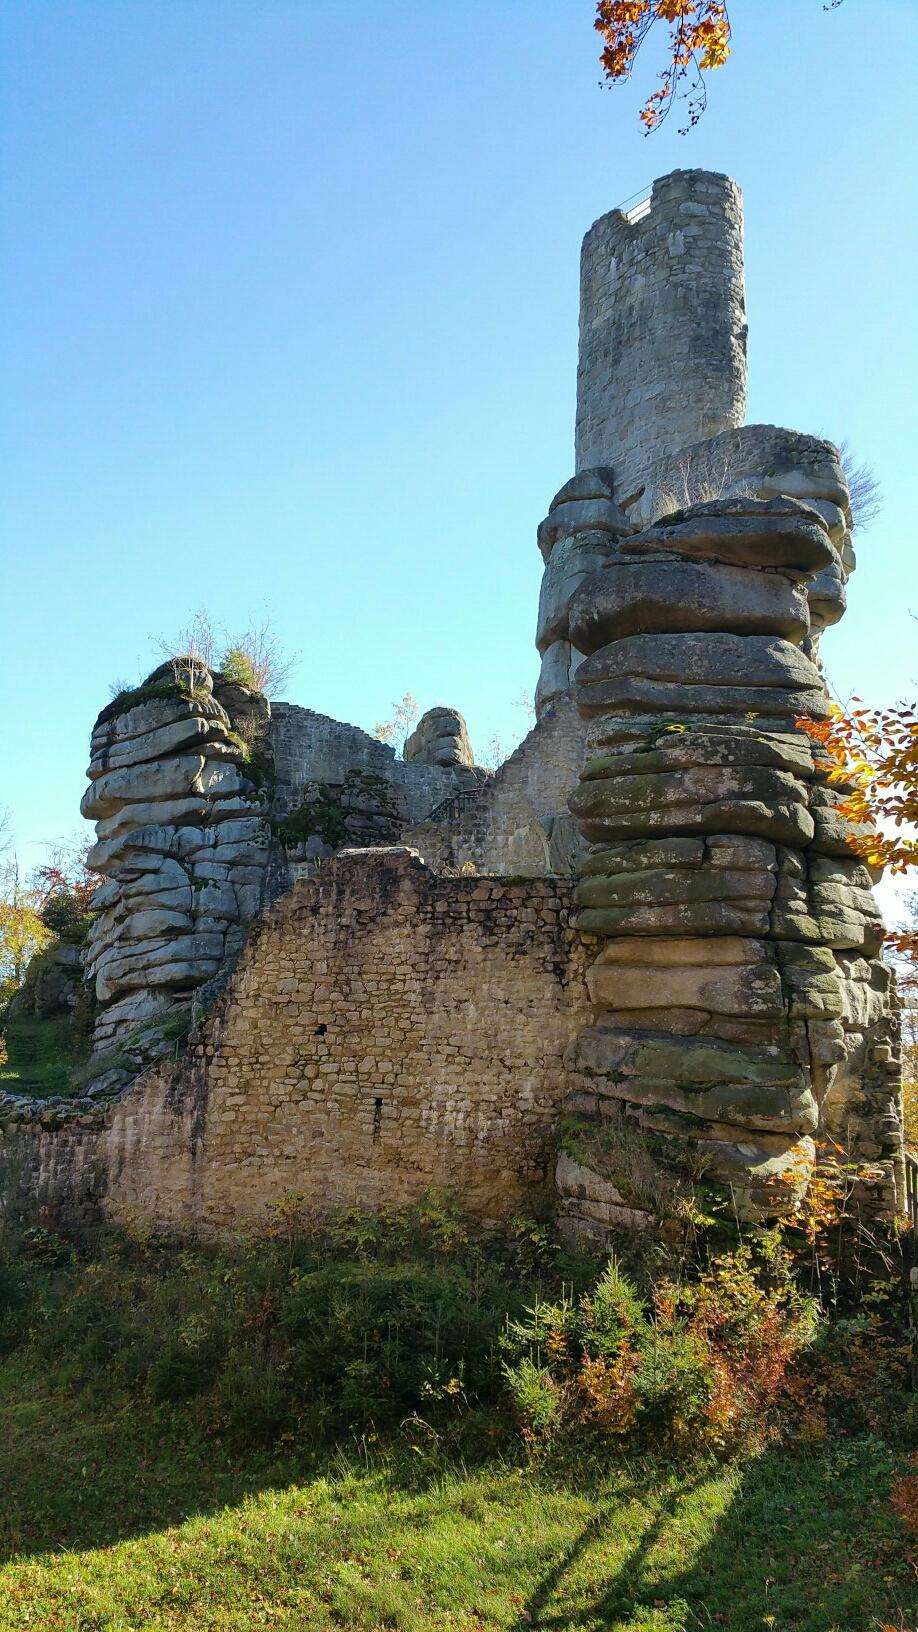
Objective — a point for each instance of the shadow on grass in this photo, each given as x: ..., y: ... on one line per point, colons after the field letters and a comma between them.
x: 808, y: 1538
x: 808, y: 1541
x: 73, y: 1475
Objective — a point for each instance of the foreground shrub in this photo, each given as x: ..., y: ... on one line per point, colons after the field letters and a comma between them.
x: 699, y: 1363
x: 409, y: 1320
x: 353, y: 1326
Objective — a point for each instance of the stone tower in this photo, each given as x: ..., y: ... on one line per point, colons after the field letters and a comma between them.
x: 744, y: 1022
x: 662, y: 326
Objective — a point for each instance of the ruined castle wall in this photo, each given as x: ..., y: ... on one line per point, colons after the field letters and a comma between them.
x: 385, y: 1031
x: 662, y: 326
x: 310, y: 747
x: 519, y: 823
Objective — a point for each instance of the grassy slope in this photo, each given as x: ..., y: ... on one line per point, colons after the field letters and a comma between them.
x: 41, y: 1057
x: 115, y: 1516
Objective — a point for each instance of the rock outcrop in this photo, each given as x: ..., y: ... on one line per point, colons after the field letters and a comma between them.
x: 182, y: 842
x: 577, y: 537
x: 741, y: 1010
x: 441, y: 738
x: 580, y: 536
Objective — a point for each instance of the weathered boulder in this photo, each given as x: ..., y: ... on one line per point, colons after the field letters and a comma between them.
x: 745, y: 532
x: 567, y: 517
x: 154, y: 779
x: 581, y: 530
x: 705, y: 1079
x: 571, y: 563
x: 694, y: 659
x: 556, y: 675
x: 729, y: 1002
x: 193, y: 731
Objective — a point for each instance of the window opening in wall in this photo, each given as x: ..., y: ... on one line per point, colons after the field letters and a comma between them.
x: 320, y: 1030
x: 377, y: 1120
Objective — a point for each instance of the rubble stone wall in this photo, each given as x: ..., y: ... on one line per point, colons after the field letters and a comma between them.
x: 310, y: 748
x: 519, y: 823
x: 385, y: 1031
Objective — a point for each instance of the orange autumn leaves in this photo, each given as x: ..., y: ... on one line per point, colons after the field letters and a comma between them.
x: 872, y: 757
x: 699, y: 39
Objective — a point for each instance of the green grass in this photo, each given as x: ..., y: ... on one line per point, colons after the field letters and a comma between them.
x: 42, y: 1057
x: 153, y: 1476
x: 118, y: 1519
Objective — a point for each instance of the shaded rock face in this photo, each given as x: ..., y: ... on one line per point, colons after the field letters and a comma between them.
x: 182, y: 842
x: 741, y: 1012
x: 577, y: 537
x: 52, y: 985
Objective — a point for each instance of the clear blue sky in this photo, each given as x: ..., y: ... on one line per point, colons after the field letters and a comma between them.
x: 289, y: 296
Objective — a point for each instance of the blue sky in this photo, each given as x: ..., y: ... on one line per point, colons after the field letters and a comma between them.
x: 289, y: 297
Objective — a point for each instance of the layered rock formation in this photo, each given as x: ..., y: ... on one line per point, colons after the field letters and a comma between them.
x: 441, y: 738
x: 181, y: 840
x: 578, y: 536
x: 740, y: 1007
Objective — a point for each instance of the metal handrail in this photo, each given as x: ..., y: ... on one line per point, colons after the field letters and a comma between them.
x: 638, y: 206
x: 452, y: 807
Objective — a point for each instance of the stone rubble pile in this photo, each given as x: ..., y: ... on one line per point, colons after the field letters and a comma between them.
x: 741, y: 1009
x: 182, y: 842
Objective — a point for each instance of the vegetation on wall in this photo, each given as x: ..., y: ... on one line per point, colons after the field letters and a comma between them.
x: 321, y: 817
x: 369, y: 801
x: 253, y: 657
x: 397, y: 728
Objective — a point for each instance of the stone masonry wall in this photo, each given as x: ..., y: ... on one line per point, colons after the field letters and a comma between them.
x: 310, y: 747
x: 385, y: 1031
x: 519, y: 823
x: 662, y: 326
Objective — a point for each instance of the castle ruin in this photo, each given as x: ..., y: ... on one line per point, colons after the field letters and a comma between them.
x: 639, y: 959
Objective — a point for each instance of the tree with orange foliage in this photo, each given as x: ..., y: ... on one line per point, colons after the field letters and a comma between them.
x: 873, y: 759
x: 699, y: 39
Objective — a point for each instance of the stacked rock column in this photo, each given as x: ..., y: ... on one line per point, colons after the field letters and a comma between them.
x: 577, y: 537
x: 182, y: 842
x: 741, y: 1011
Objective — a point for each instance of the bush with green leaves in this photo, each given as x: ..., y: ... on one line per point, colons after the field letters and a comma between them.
x: 699, y: 1362
x: 354, y: 1324
x: 368, y: 1323
x: 236, y: 664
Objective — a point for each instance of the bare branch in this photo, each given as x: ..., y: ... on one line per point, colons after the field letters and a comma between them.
x: 864, y: 489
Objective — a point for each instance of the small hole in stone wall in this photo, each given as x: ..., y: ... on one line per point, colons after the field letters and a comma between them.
x: 377, y: 1120
x: 320, y: 1030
